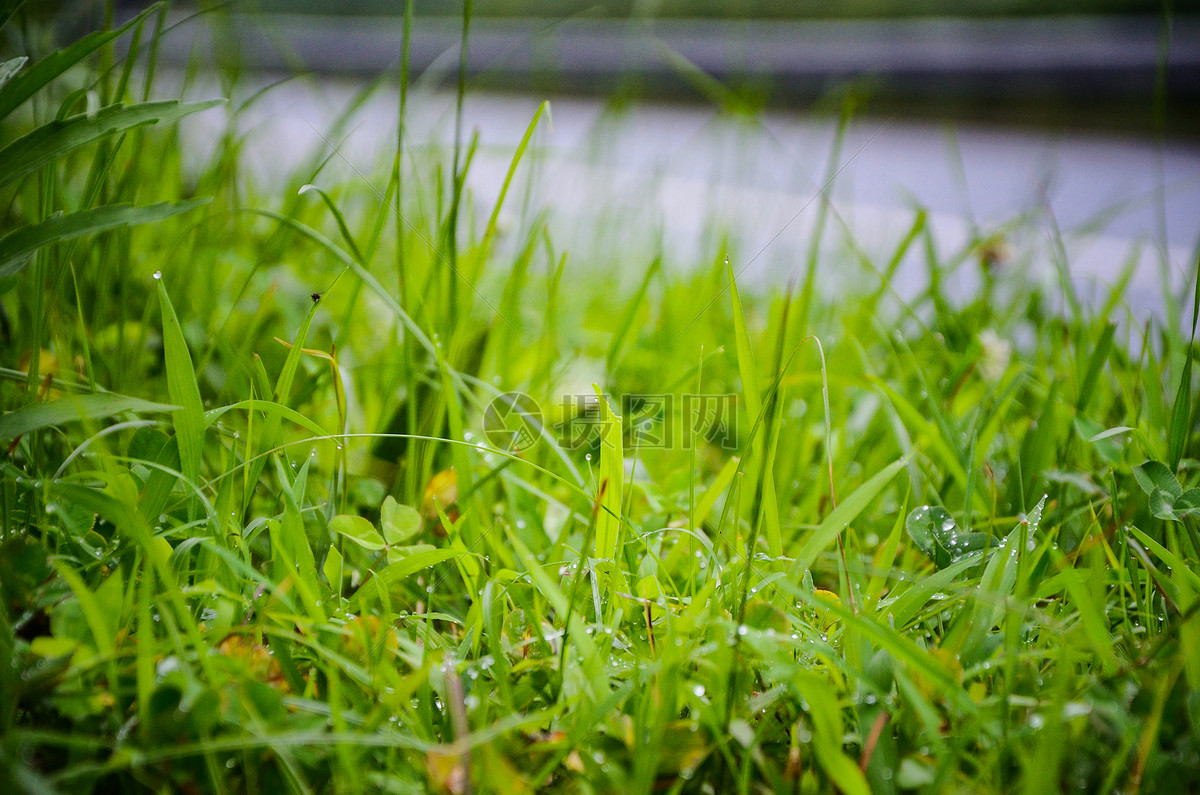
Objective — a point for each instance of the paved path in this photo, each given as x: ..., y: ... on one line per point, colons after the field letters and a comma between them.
x: 623, y: 183
x: 1112, y: 55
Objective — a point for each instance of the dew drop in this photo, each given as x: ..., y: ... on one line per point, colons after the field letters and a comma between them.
x: 158, y: 276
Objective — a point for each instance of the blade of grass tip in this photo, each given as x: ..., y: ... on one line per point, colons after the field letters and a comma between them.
x: 1058, y: 254
x: 490, y: 234
x: 887, y: 277
x: 183, y: 390
x: 156, y: 38
x: 73, y: 408
x: 343, y: 229
x: 829, y: 463
x: 1118, y: 288
x: 1179, y: 431
x: 127, y: 68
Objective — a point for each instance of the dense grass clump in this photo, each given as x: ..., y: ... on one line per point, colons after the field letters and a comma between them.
x: 266, y: 526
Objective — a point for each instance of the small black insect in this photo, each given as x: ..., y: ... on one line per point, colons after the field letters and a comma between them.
x: 315, y: 297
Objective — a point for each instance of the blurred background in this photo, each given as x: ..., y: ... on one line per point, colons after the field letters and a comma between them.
x: 676, y: 123
x: 1114, y: 64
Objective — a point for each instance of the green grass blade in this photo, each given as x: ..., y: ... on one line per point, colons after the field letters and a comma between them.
x: 56, y: 138
x: 756, y: 456
x: 1096, y: 362
x: 183, y: 389
x: 343, y: 229
x: 38, y: 76
x: 612, y: 480
x: 745, y: 356
x: 271, y: 409
x: 588, y: 654
x: 17, y: 247
x: 10, y: 68
x: 74, y: 408
x: 1180, y: 427
x: 621, y: 332
x: 705, y: 504
x: 846, y: 512
x: 489, y: 234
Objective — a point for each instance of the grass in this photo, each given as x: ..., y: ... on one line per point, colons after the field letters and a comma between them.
x: 937, y: 544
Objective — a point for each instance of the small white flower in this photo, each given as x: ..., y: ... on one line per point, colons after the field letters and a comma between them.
x: 997, y: 352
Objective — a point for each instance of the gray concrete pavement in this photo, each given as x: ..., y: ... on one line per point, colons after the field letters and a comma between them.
x: 619, y: 185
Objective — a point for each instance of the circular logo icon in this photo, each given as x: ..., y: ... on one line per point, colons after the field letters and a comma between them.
x: 512, y: 422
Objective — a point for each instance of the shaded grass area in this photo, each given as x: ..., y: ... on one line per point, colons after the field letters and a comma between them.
x: 257, y: 538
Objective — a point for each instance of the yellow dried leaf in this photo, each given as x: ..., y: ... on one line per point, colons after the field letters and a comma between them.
x: 441, y: 492
x: 827, y: 617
